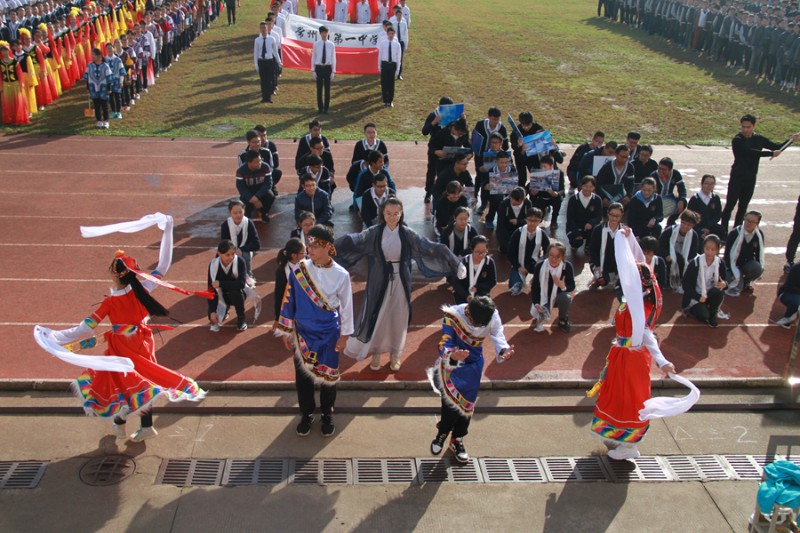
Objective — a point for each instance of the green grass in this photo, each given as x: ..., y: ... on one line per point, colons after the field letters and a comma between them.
x: 574, y: 72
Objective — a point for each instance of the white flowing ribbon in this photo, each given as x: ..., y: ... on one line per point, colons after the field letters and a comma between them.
x: 664, y: 406
x: 627, y: 252
x: 110, y: 363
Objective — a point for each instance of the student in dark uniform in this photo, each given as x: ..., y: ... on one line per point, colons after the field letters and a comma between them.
x: 645, y: 211
x: 304, y: 144
x: 458, y: 235
x: 481, y: 273
x: 708, y: 205
x: 584, y: 213
x: 510, y: 216
x: 649, y: 247
x: 431, y: 127
x: 454, y: 135
x: 526, y: 247
x: 704, y: 283
x: 602, y: 260
x: 572, y: 168
x: 368, y: 143
x: 254, y: 183
x: 373, y: 198
x: 744, y: 254
x: 748, y: 149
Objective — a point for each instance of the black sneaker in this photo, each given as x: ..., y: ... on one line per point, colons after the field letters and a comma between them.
x: 265, y: 218
x: 565, y: 325
x: 328, y: 429
x: 437, y: 444
x: 242, y: 326
x: 712, y: 322
x: 304, y: 427
x: 457, y: 447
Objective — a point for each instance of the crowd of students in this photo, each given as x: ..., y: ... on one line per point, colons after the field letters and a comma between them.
x: 118, y: 49
x: 759, y: 37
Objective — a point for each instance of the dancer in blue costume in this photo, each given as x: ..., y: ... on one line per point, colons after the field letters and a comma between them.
x: 457, y: 373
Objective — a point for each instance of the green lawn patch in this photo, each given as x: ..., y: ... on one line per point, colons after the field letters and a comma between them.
x: 576, y: 73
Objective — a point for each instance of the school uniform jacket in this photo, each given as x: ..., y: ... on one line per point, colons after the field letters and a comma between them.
x: 567, y: 274
x: 578, y: 216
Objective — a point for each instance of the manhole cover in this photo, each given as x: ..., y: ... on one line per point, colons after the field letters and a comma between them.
x: 107, y: 470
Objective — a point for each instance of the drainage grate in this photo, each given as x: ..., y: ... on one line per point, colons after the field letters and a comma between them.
x: 641, y: 469
x: 21, y: 474
x: 190, y: 472
x: 563, y: 469
x: 527, y: 470
x: 107, y: 470
x: 748, y: 466
x: 255, y: 472
x: 379, y: 471
x: 322, y: 471
x: 697, y: 468
x: 376, y: 471
x: 445, y: 470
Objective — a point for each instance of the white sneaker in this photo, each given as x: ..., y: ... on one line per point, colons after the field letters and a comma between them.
x: 733, y: 291
x: 539, y: 328
x: 516, y: 289
x: 375, y: 364
x: 214, y: 328
x: 119, y: 430
x: 99, y: 124
x: 143, y: 434
x: 786, y: 321
x: 105, y: 125
x: 623, y: 452
x: 722, y: 315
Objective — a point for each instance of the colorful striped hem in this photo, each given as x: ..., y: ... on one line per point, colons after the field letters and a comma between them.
x: 609, y: 431
x: 460, y: 330
x: 451, y: 394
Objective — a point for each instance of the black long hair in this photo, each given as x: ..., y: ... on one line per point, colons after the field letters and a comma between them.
x: 293, y: 246
x: 128, y: 277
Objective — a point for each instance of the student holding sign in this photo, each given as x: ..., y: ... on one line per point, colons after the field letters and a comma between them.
x: 546, y: 189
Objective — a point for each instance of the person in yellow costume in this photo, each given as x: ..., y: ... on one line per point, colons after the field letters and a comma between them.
x: 29, y: 73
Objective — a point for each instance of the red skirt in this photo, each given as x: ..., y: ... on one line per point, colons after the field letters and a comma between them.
x: 110, y: 394
x: 14, y: 105
x: 624, y: 390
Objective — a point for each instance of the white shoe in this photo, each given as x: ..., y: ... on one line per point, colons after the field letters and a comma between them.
x: 99, y: 124
x: 119, y: 430
x: 623, y: 452
x: 786, y: 322
x: 143, y: 434
x: 722, y: 315
x: 733, y: 291
x: 375, y: 364
x: 516, y: 289
x: 539, y: 327
x: 214, y: 328
x: 105, y: 125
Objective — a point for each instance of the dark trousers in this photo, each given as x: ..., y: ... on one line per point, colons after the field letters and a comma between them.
x: 453, y: 421
x: 100, y: 109
x: 266, y: 71
x: 430, y: 176
x: 323, y: 84
x: 116, y: 102
x: 127, y: 95
x: 794, y: 238
x: 233, y: 298
x: 575, y: 242
x: 387, y: 81
x: 740, y: 189
x: 146, y: 420
x: 791, y: 301
x: 266, y: 200
x: 403, y: 48
x: 702, y: 311
x: 305, y: 393
x: 231, y: 8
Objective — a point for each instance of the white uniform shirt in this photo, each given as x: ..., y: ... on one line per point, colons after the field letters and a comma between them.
x: 271, y: 49
x: 340, y: 11
x: 334, y: 284
x: 330, y: 54
x: 363, y: 13
x: 321, y: 11
x: 397, y: 53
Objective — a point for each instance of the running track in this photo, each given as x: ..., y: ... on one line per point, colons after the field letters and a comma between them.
x: 50, y: 275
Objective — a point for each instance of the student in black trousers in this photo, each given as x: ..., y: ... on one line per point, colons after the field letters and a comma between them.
x: 324, y: 59
x: 389, y: 57
x: 748, y: 148
x: 265, y: 57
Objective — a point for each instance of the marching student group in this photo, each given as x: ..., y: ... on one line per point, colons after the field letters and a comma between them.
x: 631, y: 218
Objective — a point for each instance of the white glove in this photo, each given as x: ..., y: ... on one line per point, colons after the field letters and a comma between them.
x: 333, y: 76
x: 462, y: 271
x: 315, y: 75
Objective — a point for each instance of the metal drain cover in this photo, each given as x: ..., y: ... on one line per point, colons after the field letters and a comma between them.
x: 107, y: 470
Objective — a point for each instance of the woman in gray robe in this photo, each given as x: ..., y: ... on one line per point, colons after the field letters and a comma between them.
x: 385, y: 312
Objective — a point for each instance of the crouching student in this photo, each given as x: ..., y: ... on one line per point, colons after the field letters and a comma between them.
x: 553, y: 280
x: 584, y: 213
x: 459, y: 234
x: 678, y: 245
x: 315, y: 322
x: 456, y: 375
x: 481, y: 273
x: 227, y: 275
x: 704, y: 283
x: 525, y: 248
x: 657, y: 264
x: 241, y: 231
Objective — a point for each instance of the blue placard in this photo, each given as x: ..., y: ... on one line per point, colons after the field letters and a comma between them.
x: 539, y: 143
x: 450, y: 113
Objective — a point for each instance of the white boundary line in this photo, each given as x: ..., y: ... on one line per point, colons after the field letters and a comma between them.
x: 436, y: 325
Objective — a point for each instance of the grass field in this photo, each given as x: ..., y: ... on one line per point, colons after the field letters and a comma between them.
x: 574, y: 72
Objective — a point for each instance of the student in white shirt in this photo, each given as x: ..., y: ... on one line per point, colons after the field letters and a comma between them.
x: 324, y: 59
x: 390, y: 55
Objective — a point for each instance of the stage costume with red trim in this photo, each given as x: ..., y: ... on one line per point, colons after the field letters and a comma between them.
x: 12, y: 99
x: 129, y: 379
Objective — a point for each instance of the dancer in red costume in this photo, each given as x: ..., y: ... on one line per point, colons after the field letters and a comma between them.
x: 130, y: 379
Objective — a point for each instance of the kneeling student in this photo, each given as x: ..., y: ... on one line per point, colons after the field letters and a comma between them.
x: 553, y: 280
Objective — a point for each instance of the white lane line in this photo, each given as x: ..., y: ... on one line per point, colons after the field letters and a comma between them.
x: 106, y: 193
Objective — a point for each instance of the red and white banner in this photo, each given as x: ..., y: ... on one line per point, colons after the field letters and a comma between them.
x: 297, y: 55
